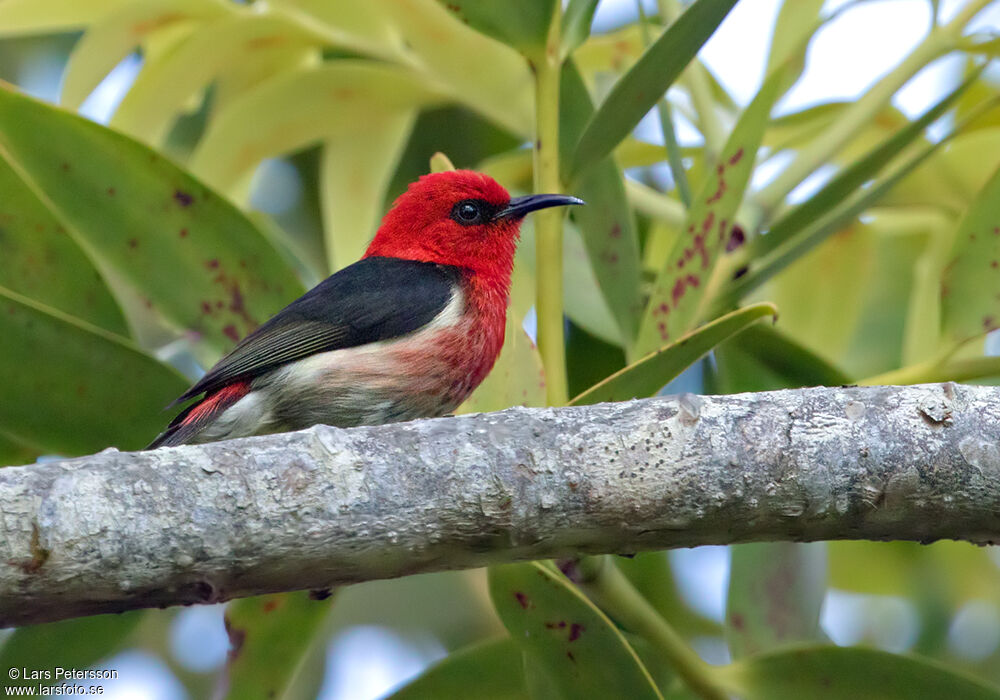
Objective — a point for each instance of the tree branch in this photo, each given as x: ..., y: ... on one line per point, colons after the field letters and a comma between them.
x: 198, y: 524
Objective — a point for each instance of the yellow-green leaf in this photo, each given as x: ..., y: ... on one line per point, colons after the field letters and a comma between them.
x: 118, y: 34
x: 168, y: 81
x: 337, y: 98
x: 354, y: 173
x: 19, y: 17
x: 847, y: 673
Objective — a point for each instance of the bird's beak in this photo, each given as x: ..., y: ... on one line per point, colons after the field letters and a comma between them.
x: 519, y: 206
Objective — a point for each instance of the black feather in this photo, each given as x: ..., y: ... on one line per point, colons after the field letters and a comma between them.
x: 373, y: 299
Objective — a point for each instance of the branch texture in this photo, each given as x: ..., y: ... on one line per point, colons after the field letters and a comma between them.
x: 321, y: 507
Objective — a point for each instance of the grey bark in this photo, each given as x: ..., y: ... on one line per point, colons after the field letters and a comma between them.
x: 321, y: 507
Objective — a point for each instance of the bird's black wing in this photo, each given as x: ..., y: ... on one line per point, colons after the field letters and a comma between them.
x: 373, y: 299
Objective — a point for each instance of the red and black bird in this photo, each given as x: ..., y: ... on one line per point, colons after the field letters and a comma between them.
x: 406, y: 332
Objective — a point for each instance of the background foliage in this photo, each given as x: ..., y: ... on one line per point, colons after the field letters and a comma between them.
x: 130, y: 256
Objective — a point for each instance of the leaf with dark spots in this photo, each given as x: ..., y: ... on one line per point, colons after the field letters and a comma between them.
x: 775, y: 596
x: 580, y: 649
x: 236, y: 638
x: 273, y: 634
x: 153, y: 198
x: 718, y: 200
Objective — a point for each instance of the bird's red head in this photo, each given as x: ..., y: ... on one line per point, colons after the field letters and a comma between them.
x: 461, y: 218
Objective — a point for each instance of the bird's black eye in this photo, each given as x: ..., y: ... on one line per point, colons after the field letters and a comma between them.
x: 470, y: 211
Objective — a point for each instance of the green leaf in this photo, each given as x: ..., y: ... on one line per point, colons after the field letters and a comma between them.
x: 650, y: 374
x: 523, y: 24
x: 18, y: 17
x: 971, y: 282
x: 854, y: 176
x: 638, y: 90
x: 776, y: 590
x: 354, y: 174
x: 44, y: 263
x: 606, y: 223
x: 581, y: 650
x: 71, y: 644
x: 576, y: 21
x: 270, y: 637
x: 490, y: 670
x: 151, y: 229
x: 837, y: 673
x: 776, y: 351
x: 118, y: 34
x: 61, y: 382
x: 336, y: 99
x: 675, y: 303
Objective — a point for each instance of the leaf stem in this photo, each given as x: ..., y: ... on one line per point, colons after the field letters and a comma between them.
x: 612, y: 591
x: 548, y: 222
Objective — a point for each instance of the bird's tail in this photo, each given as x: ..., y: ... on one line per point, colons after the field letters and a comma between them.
x: 198, y: 416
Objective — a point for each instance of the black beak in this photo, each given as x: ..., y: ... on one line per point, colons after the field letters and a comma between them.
x: 519, y: 206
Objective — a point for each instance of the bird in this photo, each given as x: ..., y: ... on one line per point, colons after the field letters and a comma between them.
x: 406, y: 332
